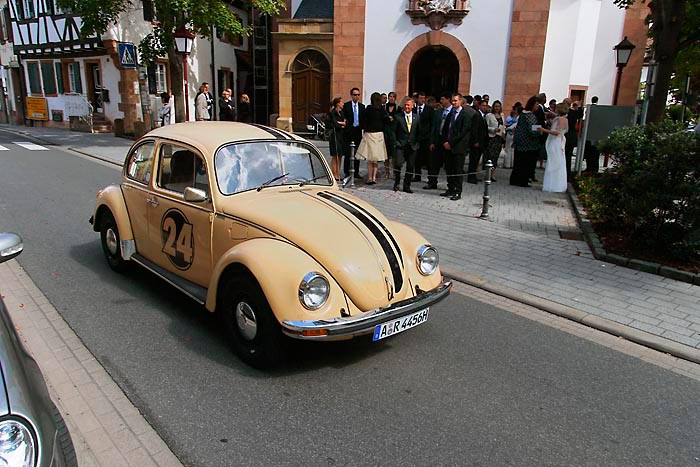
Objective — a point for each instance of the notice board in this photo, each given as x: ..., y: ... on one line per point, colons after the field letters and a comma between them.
x: 37, y: 108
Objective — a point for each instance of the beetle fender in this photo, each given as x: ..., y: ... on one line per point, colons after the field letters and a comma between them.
x: 112, y: 198
x: 279, y: 268
x: 410, y: 241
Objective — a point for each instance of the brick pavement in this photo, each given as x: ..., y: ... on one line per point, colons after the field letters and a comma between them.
x: 107, y: 430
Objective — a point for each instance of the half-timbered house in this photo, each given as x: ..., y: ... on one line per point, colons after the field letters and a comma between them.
x: 91, y: 81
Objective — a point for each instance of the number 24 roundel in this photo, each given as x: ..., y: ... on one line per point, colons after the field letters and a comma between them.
x: 178, y: 242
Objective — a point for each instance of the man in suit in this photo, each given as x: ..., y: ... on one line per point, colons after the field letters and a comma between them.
x: 477, y: 132
x: 353, y: 111
x: 425, y: 112
x: 437, y: 152
x: 407, y: 131
x: 541, y: 115
x: 456, y: 146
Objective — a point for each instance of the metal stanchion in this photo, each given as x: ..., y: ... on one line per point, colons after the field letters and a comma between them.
x: 353, y: 148
x: 487, y: 185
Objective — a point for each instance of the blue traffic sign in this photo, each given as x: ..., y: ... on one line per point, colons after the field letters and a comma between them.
x: 127, y: 55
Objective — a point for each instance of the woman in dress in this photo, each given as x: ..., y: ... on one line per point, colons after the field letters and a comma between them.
x: 496, y: 127
x: 526, y: 142
x: 372, y: 147
x: 337, y: 125
x: 555, y: 172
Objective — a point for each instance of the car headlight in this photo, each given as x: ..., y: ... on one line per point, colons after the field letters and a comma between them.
x: 17, y: 446
x: 313, y: 291
x: 428, y: 260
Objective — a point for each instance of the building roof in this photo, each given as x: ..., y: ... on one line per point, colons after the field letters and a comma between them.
x: 315, y: 9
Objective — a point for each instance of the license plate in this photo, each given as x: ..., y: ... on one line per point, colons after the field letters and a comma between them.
x: 398, y: 325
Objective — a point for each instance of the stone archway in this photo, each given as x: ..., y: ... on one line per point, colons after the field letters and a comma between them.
x: 436, y: 39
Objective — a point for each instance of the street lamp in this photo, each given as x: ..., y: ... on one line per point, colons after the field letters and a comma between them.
x: 183, y: 43
x: 623, y: 51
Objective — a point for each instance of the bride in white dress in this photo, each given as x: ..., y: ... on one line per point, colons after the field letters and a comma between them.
x: 555, y: 172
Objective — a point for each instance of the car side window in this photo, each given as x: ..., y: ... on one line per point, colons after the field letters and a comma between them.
x: 140, y: 164
x: 180, y: 168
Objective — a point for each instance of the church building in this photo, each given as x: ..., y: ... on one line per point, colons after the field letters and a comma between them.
x: 508, y: 49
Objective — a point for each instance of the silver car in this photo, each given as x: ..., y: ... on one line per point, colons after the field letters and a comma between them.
x: 32, y: 431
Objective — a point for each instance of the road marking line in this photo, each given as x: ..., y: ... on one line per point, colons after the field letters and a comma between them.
x: 3, y: 148
x: 31, y: 146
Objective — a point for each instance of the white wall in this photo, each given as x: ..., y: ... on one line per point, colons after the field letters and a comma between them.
x: 580, y: 38
x: 484, y: 32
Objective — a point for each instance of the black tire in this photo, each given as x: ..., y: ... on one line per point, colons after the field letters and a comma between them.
x: 111, y: 243
x: 257, y: 336
x: 65, y: 443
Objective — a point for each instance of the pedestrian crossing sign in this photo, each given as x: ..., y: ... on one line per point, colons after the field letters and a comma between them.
x: 127, y: 55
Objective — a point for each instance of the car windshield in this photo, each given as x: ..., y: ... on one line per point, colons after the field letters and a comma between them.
x: 245, y: 166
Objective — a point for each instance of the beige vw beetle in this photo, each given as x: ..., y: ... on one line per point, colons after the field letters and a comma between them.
x: 248, y: 221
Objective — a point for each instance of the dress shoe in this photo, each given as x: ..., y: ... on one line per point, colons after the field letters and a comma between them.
x: 447, y: 194
x: 396, y: 188
x: 456, y: 197
x: 371, y: 182
x: 430, y: 186
x: 407, y: 190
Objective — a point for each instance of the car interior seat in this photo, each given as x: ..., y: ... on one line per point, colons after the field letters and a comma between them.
x: 181, y: 171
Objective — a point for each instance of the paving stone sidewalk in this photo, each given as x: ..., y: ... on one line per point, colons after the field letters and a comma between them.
x: 531, y: 244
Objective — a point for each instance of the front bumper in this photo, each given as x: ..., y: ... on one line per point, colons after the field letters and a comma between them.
x: 330, y: 329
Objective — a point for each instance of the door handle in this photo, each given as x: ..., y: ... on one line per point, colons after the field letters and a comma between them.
x: 152, y: 201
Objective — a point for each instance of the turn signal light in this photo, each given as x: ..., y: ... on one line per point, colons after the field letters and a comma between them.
x: 314, y: 332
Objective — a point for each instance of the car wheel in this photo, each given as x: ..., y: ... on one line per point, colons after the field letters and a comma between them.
x: 64, y: 440
x: 111, y: 243
x: 255, y: 334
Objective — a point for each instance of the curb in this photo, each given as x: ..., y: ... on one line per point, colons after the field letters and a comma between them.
x: 599, y: 252
x: 95, y: 156
x: 611, y: 327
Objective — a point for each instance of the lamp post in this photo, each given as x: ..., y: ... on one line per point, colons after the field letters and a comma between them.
x: 623, y: 51
x: 183, y: 44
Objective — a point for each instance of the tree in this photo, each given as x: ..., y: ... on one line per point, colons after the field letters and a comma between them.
x: 201, y: 17
x: 669, y: 28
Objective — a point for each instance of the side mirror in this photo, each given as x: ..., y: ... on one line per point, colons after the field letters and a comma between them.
x: 10, y: 246
x: 195, y: 195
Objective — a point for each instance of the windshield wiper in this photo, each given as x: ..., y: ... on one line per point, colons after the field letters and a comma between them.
x: 272, y: 180
x: 313, y: 180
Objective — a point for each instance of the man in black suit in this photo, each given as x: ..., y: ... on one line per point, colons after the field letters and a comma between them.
x: 437, y: 152
x: 353, y: 111
x: 456, y: 146
x: 407, y: 133
x: 541, y: 115
x: 425, y: 112
x: 478, y: 139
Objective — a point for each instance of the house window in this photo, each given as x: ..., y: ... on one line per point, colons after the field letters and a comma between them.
x: 3, y: 24
x: 74, y: 81
x: 59, y: 77
x: 25, y: 9
x: 53, y: 8
x: 157, y: 78
x: 49, y: 78
x: 148, y: 10
x: 34, y: 78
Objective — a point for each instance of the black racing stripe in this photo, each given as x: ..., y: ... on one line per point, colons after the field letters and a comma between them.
x: 362, y: 217
x: 371, y: 216
x: 276, y: 133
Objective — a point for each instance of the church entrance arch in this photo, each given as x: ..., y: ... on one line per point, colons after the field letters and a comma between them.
x: 433, y: 45
x: 434, y: 70
x: 311, y: 87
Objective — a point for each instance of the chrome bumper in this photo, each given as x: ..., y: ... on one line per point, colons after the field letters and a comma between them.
x: 328, y: 329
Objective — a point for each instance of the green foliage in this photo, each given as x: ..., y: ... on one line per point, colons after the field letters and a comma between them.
x: 201, y: 17
x: 653, y: 188
x: 674, y: 113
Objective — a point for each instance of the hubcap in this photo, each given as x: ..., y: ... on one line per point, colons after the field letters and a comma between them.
x: 245, y: 318
x: 111, y: 241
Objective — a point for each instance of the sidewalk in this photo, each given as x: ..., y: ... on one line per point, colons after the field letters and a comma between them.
x: 530, y: 250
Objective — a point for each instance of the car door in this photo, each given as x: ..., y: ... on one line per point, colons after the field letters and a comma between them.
x: 180, y: 231
x: 136, y: 187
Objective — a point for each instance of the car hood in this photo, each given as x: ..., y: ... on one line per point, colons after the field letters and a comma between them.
x: 349, y: 238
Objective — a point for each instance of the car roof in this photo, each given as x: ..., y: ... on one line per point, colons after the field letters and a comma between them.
x: 209, y: 136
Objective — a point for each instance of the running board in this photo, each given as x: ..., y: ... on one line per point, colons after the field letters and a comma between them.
x: 195, y: 292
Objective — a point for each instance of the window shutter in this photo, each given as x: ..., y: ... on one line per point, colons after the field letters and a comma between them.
x: 59, y: 77
x: 152, y: 83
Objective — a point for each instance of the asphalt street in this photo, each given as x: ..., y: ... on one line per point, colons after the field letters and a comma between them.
x: 475, y: 385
